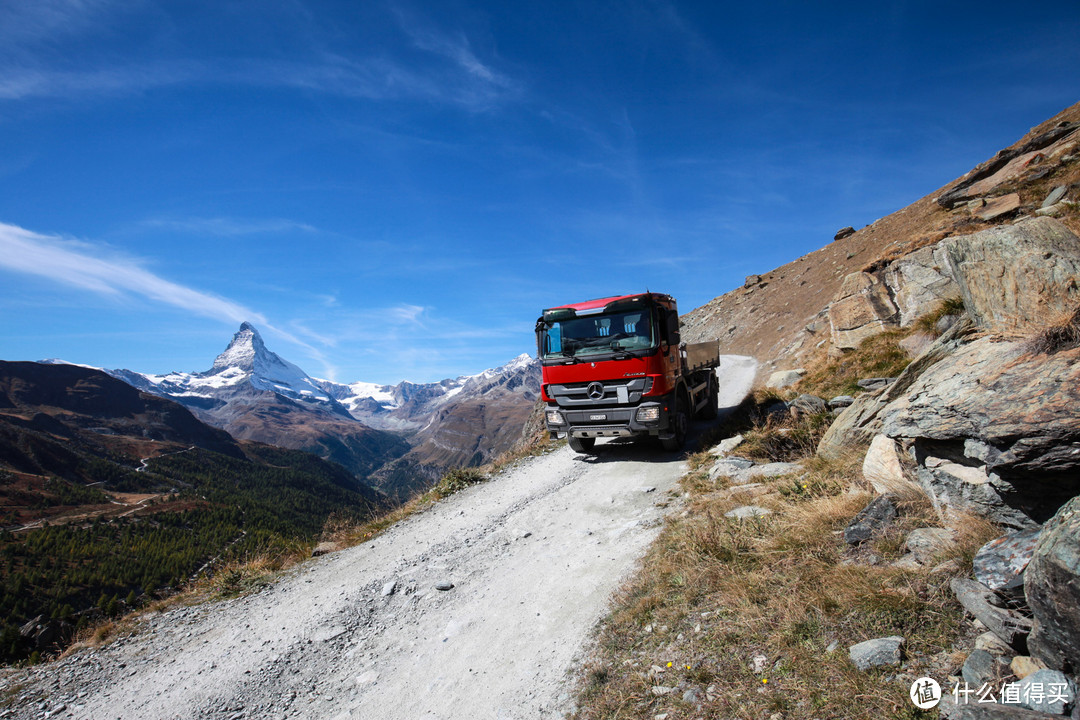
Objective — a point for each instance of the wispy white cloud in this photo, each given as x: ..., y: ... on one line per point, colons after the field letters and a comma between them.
x: 229, y: 227
x: 406, y: 314
x: 26, y: 82
x: 93, y: 268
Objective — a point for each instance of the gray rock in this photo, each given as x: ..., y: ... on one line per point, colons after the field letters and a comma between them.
x: 863, y: 307
x: 728, y: 467
x: 1048, y: 691
x: 870, y: 521
x: 953, y: 486
x: 808, y: 405
x: 1052, y: 587
x: 389, y: 588
x: 992, y: 644
x: 1016, y: 274
x: 841, y: 401
x: 1010, y: 626
x: 844, y: 232
x: 880, y: 652
x: 853, y: 428
x: 1001, y: 562
x: 883, y: 469
x: 918, y: 282
x: 444, y: 585
x: 998, y: 207
x: 1053, y: 211
x: 784, y: 378
x: 324, y: 548
x: 1017, y: 468
x: 927, y: 543
x: 727, y: 445
x: 1006, y: 165
x: 875, y: 383
x: 982, y: 667
x: 1056, y: 194
x: 751, y: 280
x: 946, y: 323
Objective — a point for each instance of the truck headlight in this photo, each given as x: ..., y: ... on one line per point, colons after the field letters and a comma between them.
x: 648, y: 414
x: 554, y: 417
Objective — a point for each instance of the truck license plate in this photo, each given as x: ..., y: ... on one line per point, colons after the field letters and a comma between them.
x: 598, y: 417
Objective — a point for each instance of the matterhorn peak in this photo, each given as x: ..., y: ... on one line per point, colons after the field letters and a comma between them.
x: 245, y: 349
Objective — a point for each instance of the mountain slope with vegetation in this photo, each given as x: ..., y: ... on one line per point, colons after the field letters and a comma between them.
x: 112, y: 496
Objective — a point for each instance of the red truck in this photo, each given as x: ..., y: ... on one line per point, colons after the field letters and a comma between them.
x: 616, y: 367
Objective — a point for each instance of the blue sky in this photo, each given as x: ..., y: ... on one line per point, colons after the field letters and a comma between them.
x: 393, y: 190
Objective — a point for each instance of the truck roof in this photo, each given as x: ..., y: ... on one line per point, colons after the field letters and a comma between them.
x: 604, y: 302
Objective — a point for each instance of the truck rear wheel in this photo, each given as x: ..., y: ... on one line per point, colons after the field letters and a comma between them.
x: 680, y: 421
x: 710, y: 411
x: 582, y: 445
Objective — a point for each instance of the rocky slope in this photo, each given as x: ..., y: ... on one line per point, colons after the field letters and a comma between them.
x: 983, y: 421
x: 858, y: 284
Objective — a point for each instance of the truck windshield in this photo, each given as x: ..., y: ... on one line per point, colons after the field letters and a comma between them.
x: 597, y: 334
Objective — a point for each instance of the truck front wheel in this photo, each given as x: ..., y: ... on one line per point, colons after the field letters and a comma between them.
x: 582, y: 445
x: 680, y: 421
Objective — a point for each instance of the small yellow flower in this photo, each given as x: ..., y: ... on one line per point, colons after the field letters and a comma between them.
x: 764, y: 681
x: 670, y: 664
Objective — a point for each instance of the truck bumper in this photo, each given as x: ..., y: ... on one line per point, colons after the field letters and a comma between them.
x: 647, y: 418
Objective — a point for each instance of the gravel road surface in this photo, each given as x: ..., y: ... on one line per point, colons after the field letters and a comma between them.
x: 479, y: 607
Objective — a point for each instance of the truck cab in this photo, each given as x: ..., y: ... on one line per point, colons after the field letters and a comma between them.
x: 616, y: 367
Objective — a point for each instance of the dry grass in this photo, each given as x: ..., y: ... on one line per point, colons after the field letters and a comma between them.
x: 877, y: 356
x: 716, y: 592
x: 1061, y: 334
x: 928, y: 322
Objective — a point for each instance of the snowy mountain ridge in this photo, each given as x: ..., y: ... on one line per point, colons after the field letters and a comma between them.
x: 247, y: 361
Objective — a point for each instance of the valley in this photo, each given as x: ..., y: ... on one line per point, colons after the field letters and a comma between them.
x: 477, y: 606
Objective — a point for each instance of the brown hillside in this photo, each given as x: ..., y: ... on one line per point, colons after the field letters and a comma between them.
x: 780, y: 317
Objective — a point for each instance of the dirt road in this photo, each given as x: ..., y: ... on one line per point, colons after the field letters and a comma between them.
x: 372, y: 632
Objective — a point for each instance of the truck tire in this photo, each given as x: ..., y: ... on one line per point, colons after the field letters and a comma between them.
x: 582, y: 445
x: 680, y: 421
x: 710, y: 411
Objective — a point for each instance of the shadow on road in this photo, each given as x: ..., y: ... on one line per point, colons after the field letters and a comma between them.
x: 649, y: 449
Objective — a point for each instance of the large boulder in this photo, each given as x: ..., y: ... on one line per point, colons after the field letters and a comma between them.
x: 857, y: 425
x: 994, y: 430
x: 1022, y: 275
x: 1052, y: 586
x: 883, y: 468
x: 862, y: 308
x: 919, y: 282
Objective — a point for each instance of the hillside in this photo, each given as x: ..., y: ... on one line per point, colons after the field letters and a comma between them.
x: 399, y: 438
x: 780, y: 316
x: 110, y: 495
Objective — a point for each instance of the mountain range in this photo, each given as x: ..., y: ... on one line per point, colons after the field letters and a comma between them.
x: 399, y: 438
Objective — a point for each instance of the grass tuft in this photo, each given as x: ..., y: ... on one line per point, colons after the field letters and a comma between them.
x: 1061, y: 335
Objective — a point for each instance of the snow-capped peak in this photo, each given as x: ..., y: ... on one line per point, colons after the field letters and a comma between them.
x: 248, y: 359
x: 246, y: 348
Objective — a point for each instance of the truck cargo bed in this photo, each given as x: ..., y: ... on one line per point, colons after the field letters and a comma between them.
x: 702, y: 355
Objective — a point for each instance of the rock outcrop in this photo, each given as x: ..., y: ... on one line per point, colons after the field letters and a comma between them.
x: 1022, y: 275
x: 1052, y: 586
x: 990, y: 425
x: 919, y: 281
x: 862, y: 308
